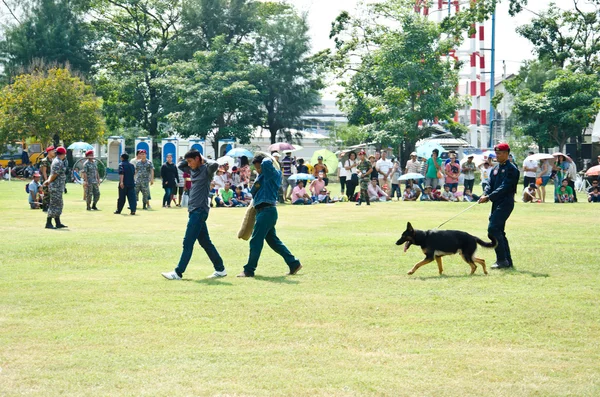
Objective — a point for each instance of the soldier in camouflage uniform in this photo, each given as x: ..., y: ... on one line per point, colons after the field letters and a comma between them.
x: 45, y: 165
x: 144, y: 177
x: 56, y: 183
x: 364, y: 168
x: 91, y: 181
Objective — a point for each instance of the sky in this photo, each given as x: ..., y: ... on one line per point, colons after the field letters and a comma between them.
x: 510, y: 47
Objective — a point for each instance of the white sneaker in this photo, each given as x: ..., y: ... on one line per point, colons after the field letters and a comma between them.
x: 218, y: 274
x: 171, y: 275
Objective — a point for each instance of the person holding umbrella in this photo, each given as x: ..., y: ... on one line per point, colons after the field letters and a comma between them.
x: 501, y: 192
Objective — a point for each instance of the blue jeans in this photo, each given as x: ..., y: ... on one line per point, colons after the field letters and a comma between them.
x: 197, y: 230
x: 264, y: 229
x: 396, y: 188
x: 167, y: 196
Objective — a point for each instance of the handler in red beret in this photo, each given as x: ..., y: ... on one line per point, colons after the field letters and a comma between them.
x: 501, y: 190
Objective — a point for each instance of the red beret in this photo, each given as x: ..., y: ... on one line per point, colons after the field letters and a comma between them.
x: 142, y: 151
x: 89, y: 153
x: 502, y: 147
x: 362, y: 152
x: 49, y: 148
x: 61, y: 150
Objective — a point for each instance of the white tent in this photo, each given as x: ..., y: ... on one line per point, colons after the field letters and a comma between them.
x: 596, y: 130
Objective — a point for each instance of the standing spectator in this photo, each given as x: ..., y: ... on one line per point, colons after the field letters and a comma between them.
x: 91, y: 181
x: 571, y: 176
x: 433, y: 170
x: 170, y: 178
x: 468, y: 169
x: 126, y: 185
x: 452, y: 171
x: 299, y: 195
x: 384, y: 170
x: 321, y: 167
x: 373, y: 161
x: 180, y: 183
x: 225, y: 196
x: 342, y: 174
x: 544, y: 173
x: 529, y: 171
x: 286, y: 168
x: 56, y: 183
x: 395, y: 180
x: 416, y: 166
x: 485, y: 175
x: 244, y: 171
x: 24, y: 157
x: 376, y: 193
x: 144, y: 178
x: 202, y: 172
x: 364, y: 169
x: 264, y: 192
x: 352, y: 172
x: 34, y: 192
x: 501, y: 192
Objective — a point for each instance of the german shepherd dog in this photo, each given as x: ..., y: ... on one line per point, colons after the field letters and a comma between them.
x: 438, y: 243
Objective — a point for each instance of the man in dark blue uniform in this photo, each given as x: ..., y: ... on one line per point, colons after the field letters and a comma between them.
x: 501, y: 190
x: 126, y: 185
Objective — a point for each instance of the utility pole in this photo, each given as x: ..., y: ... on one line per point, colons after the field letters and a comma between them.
x: 493, y: 78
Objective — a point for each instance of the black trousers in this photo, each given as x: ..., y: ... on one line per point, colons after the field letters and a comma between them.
x: 527, y: 180
x: 500, y: 213
x: 129, y: 192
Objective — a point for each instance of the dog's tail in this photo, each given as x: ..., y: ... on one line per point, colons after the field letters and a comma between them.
x: 492, y: 244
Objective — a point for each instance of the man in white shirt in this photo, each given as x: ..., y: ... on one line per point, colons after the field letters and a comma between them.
x: 343, y: 174
x: 529, y: 171
x: 384, y: 169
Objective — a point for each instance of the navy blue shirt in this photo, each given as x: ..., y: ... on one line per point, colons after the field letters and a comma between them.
x: 128, y: 171
x: 504, y: 179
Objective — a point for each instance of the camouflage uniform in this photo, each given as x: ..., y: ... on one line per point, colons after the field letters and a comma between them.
x: 57, y: 187
x: 45, y: 163
x: 364, y: 167
x: 90, y: 168
x: 143, y: 171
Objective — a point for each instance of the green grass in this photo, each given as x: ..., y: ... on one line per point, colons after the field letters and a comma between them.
x: 86, y: 312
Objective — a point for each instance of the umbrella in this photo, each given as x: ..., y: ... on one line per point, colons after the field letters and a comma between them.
x: 301, y: 177
x: 80, y: 146
x: 411, y: 175
x: 489, y: 154
x: 226, y: 159
x: 329, y: 159
x: 540, y: 157
x: 593, y: 171
x: 239, y: 152
x: 297, y: 148
x: 425, y: 149
x: 570, y: 160
x: 477, y: 159
x: 281, y: 147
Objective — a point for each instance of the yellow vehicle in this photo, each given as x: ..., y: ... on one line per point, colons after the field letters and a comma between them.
x: 15, y: 150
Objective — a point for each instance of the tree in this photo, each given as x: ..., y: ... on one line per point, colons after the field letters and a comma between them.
x: 402, y: 77
x: 211, y: 95
x: 136, y: 39
x: 287, y: 77
x: 50, y: 106
x: 53, y: 31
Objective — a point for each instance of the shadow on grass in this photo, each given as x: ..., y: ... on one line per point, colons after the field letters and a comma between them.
x: 217, y: 282
x: 527, y: 272
x: 443, y: 276
x: 508, y: 272
x: 278, y: 279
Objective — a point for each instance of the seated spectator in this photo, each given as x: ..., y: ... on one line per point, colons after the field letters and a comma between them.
x: 409, y: 195
x: 564, y: 195
x: 594, y: 185
x: 447, y: 194
x: 34, y: 192
x: 457, y: 195
x: 531, y: 194
x: 2, y: 171
x: 376, y: 193
x: 239, y: 197
x: 436, y: 194
x: 324, y: 196
x: 247, y: 189
x: 594, y: 196
x: 225, y: 196
x: 211, y: 193
x: 427, y: 194
x: 468, y: 196
x: 299, y: 195
x: 317, y: 185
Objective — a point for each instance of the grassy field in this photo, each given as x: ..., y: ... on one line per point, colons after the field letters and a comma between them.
x: 85, y: 311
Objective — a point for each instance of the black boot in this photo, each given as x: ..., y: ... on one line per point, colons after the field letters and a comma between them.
x: 368, y: 200
x: 89, y: 208
x: 359, y: 201
x: 94, y: 207
x: 59, y: 224
x: 49, y: 224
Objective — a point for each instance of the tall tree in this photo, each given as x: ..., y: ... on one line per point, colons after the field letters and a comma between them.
x: 53, y: 31
x: 50, y: 106
x: 402, y: 77
x: 287, y: 76
x: 137, y: 37
x: 212, y: 96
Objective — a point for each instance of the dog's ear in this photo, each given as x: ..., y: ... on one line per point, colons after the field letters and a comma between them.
x: 409, y: 227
